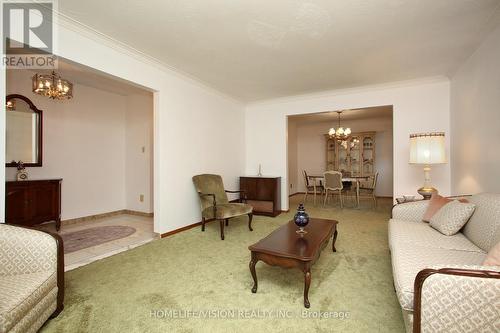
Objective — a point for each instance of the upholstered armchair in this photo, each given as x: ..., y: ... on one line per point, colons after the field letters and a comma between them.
x: 215, y: 204
x: 31, y: 278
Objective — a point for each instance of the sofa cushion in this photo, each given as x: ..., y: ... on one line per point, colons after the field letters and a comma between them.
x: 435, y: 204
x: 19, y: 294
x: 483, y: 228
x: 420, y: 233
x: 452, y: 217
x: 493, y: 257
x: 409, y: 259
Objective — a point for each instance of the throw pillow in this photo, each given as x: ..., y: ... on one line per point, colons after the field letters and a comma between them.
x: 452, y: 217
x: 493, y: 257
x: 435, y: 203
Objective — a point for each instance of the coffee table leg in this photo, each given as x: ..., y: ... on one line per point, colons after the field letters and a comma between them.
x: 307, y: 283
x: 333, y: 241
x: 253, y: 261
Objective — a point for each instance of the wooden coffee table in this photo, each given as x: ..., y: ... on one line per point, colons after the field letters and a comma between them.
x: 285, y: 248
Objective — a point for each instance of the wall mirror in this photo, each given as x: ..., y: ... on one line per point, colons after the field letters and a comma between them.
x: 23, y: 132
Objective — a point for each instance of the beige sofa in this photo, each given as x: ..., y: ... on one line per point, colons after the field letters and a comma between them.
x: 31, y: 278
x: 440, y: 283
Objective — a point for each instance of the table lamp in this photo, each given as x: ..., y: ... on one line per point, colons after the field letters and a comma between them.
x: 427, y: 149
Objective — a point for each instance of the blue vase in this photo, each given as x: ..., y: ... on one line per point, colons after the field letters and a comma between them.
x: 301, y: 218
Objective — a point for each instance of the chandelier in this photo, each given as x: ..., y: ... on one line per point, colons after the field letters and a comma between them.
x: 341, y: 134
x: 52, y: 86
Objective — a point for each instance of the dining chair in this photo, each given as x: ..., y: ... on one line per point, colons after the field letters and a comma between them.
x: 311, y: 188
x: 333, y: 183
x: 367, y: 190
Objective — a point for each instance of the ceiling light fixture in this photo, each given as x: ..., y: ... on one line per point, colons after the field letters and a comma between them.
x: 52, y: 86
x: 11, y: 105
x: 340, y: 133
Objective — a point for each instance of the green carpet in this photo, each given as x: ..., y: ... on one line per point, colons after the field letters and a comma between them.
x: 169, y: 285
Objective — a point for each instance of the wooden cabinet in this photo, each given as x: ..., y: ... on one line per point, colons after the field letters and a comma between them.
x: 355, y: 155
x: 263, y: 193
x: 32, y: 202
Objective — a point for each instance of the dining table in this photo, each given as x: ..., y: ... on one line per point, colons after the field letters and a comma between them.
x: 352, y: 179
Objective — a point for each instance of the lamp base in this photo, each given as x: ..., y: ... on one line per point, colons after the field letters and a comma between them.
x: 426, y: 192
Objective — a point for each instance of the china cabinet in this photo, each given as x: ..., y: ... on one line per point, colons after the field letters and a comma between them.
x: 355, y: 156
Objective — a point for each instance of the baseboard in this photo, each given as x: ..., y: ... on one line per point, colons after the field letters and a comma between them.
x: 103, y: 215
x: 298, y: 193
x: 137, y: 213
x: 191, y: 226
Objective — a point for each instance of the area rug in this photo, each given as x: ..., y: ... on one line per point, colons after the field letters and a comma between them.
x: 82, y: 239
x: 195, y: 282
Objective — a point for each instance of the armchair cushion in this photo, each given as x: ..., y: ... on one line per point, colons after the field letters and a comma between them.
x: 226, y: 211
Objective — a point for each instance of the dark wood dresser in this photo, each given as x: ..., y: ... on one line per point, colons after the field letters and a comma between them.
x: 263, y: 193
x: 31, y: 202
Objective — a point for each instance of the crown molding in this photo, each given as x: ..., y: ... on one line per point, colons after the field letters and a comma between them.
x: 353, y: 90
x: 127, y: 50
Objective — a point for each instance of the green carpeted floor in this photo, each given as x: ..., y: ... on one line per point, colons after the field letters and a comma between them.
x: 170, y: 284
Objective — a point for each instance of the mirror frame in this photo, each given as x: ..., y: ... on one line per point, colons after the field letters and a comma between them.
x: 40, y: 130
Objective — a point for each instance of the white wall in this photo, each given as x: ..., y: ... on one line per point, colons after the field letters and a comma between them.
x: 196, y: 129
x: 293, y: 171
x: 139, y: 153
x: 475, y: 120
x: 311, y: 150
x: 83, y: 143
x: 418, y: 106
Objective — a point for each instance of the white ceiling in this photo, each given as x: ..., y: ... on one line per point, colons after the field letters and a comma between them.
x: 384, y: 111
x: 261, y: 49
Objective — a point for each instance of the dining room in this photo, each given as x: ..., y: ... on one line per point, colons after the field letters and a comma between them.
x: 341, y: 158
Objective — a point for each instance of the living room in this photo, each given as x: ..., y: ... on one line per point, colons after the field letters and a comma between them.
x: 225, y: 79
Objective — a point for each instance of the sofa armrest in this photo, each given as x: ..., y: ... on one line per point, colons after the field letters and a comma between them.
x: 459, y: 298
x: 24, y: 250
x: 410, y: 211
x: 60, y: 272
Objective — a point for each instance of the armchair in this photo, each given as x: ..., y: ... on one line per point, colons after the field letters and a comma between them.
x: 215, y: 204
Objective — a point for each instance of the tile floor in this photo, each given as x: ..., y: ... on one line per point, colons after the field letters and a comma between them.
x: 144, y: 234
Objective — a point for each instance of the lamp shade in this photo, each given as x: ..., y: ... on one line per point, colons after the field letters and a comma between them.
x: 427, y: 148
